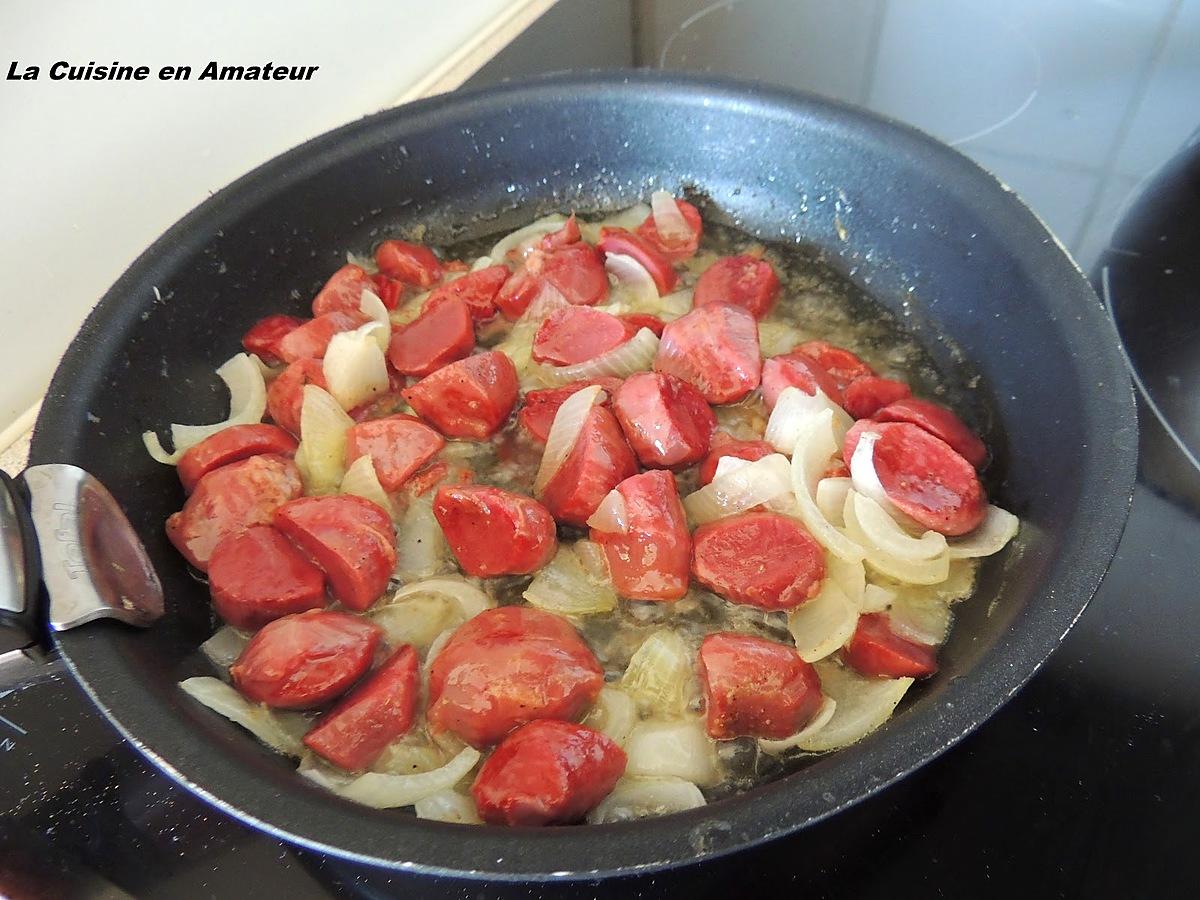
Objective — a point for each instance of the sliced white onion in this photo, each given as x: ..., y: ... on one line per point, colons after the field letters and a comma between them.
x: 564, y: 587
x: 524, y: 239
x: 354, y: 366
x: 381, y: 791
x: 815, y: 444
x: 821, y: 626
x: 610, y: 516
x: 674, y: 305
x: 366, y: 263
x: 850, y: 576
x: 910, y: 571
x: 921, y: 617
x: 885, y: 533
x: 421, y: 549
x: 747, y: 486
x: 960, y: 583
x: 635, y: 355
x: 564, y: 432
x: 361, y: 480
x: 862, y: 470
x: 247, y: 403
x: 594, y: 562
x: 615, y: 714
x: 997, y: 529
x: 469, y: 599
x: 831, y: 498
x: 322, y: 451
x: 793, y: 410
x: 672, y: 227
x: 278, y: 729
x: 678, y: 749
x: 434, y: 649
x: 632, y: 277
x: 412, y: 753
x: 373, y: 308
x: 417, y: 620
x: 777, y: 338
x: 225, y: 646
x: 448, y: 806
x: 819, y: 721
x: 484, y: 262
x: 628, y: 219
x: 661, y: 675
x: 877, y: 598
x: 863, y: 704
x: 639, y: 798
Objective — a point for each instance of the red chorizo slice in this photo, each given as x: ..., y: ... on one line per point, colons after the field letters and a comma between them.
x: 756, y: 688
x: 758, y: 559
x: 626, y: 243
x: 796, y: 370
x: 745, y: 281
x: 231, y: 499
x: 938, y: 421
x: 311, y: 340
x: 476, y: 289
x: 410, y: 263
x: 724, y: 445
x: 651, y: 558
x: 508, y: 666
x: 388, y: 290
x: 305, y: 660
x: 257, y: 576
x: 878, y: 652
x: 839, y: 362
x: 923, y: 476
x: 495, y: 532
x: 264, y: 336
x: 667, y: 422
x: 470, y: 398
x: 229, y: 445
x: 715, y: 349
x: 541, y: 406
x: 350, y: 538
x: 576, y: 334
x: 638, y: 321
x: 865, y: 396
x: 676, y: 250
x: 547, y: 773
x: 285, y: 395
x: 599, y: 461
x: 376, y: 712
x: 576, y: 271
x: 517, y: 293
x: 443, y: 333
x: 398, y: 446
x: 343, y: 291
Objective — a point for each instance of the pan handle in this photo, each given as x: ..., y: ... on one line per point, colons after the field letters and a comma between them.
x: 68, y: 556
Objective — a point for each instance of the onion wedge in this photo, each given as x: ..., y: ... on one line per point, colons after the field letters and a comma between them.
x: 821, y: 626
x: 564, y: 432
x: 815, y: 444
x: 361, y: 480
x: 247, y: 403
x: 831, y: 497
x: 615, y: 714
x: 910, y: 571
x: 373, y: 307
x: 225, y: 646
x: 997, y: 529
x: 448, y: 806
x: 632, y: 276
x: 794, y: 410
x: 635, y: 355
x: 886, y: 534
x: 747, y: 486
x: 638, y: 798
x: 469, y: 599
x: 354, y: 366
x: 863, y: 704
x: 672, y: 227
x: 382, y: 791
x: 278, y: 729
x: 321, y: 454
x: 820, y: 720
x: 523, y: 239
x: 678, y: 749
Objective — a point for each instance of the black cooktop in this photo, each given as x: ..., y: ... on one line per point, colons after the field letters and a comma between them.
x: 1086, y: 784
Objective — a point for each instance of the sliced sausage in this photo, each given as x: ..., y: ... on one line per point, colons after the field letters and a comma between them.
x: 667, y: 422
x: 231, y: 499
x: 495, y: 532
x: 576, y: 334
x: 285, y: 395
x: 839, y: 362
x: 343, y: 291
x: 410, y: 263
x: 677, y: 250
x: 547, y: 773
x: 626, y: 243
x: 756, y: 688
x: 305, y: 660
x: 923, y: 476
x: 376, y: 712
x: 758, y: 559
x: 865, y: 396
x: 264, y: 336
x: 745, y: 281
x: 311, y: 340
x: 443, y: 333
x: 599, y: 461
x: 508, y: 666
x: 229, y: 445
x: 537, y: 415
x: 724, y: 445
x: 470, y: 398
x: 878, y: 652
x: 257, y: 576
x: 350, y: 538
x: 388, y: 290
x: 476, y: 289
x: 515, y: 295
x: 938, y: 421
x: 650, y: 559
x: 796, y: 370
x: 638, y: 321
x: 715, y: 349
x: 575, y: 270
x: 398, y: 446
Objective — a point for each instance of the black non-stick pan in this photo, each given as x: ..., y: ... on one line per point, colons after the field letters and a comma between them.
x: 998, y: 304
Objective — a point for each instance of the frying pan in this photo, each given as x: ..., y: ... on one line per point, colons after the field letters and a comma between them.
x: 1004, y: 313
